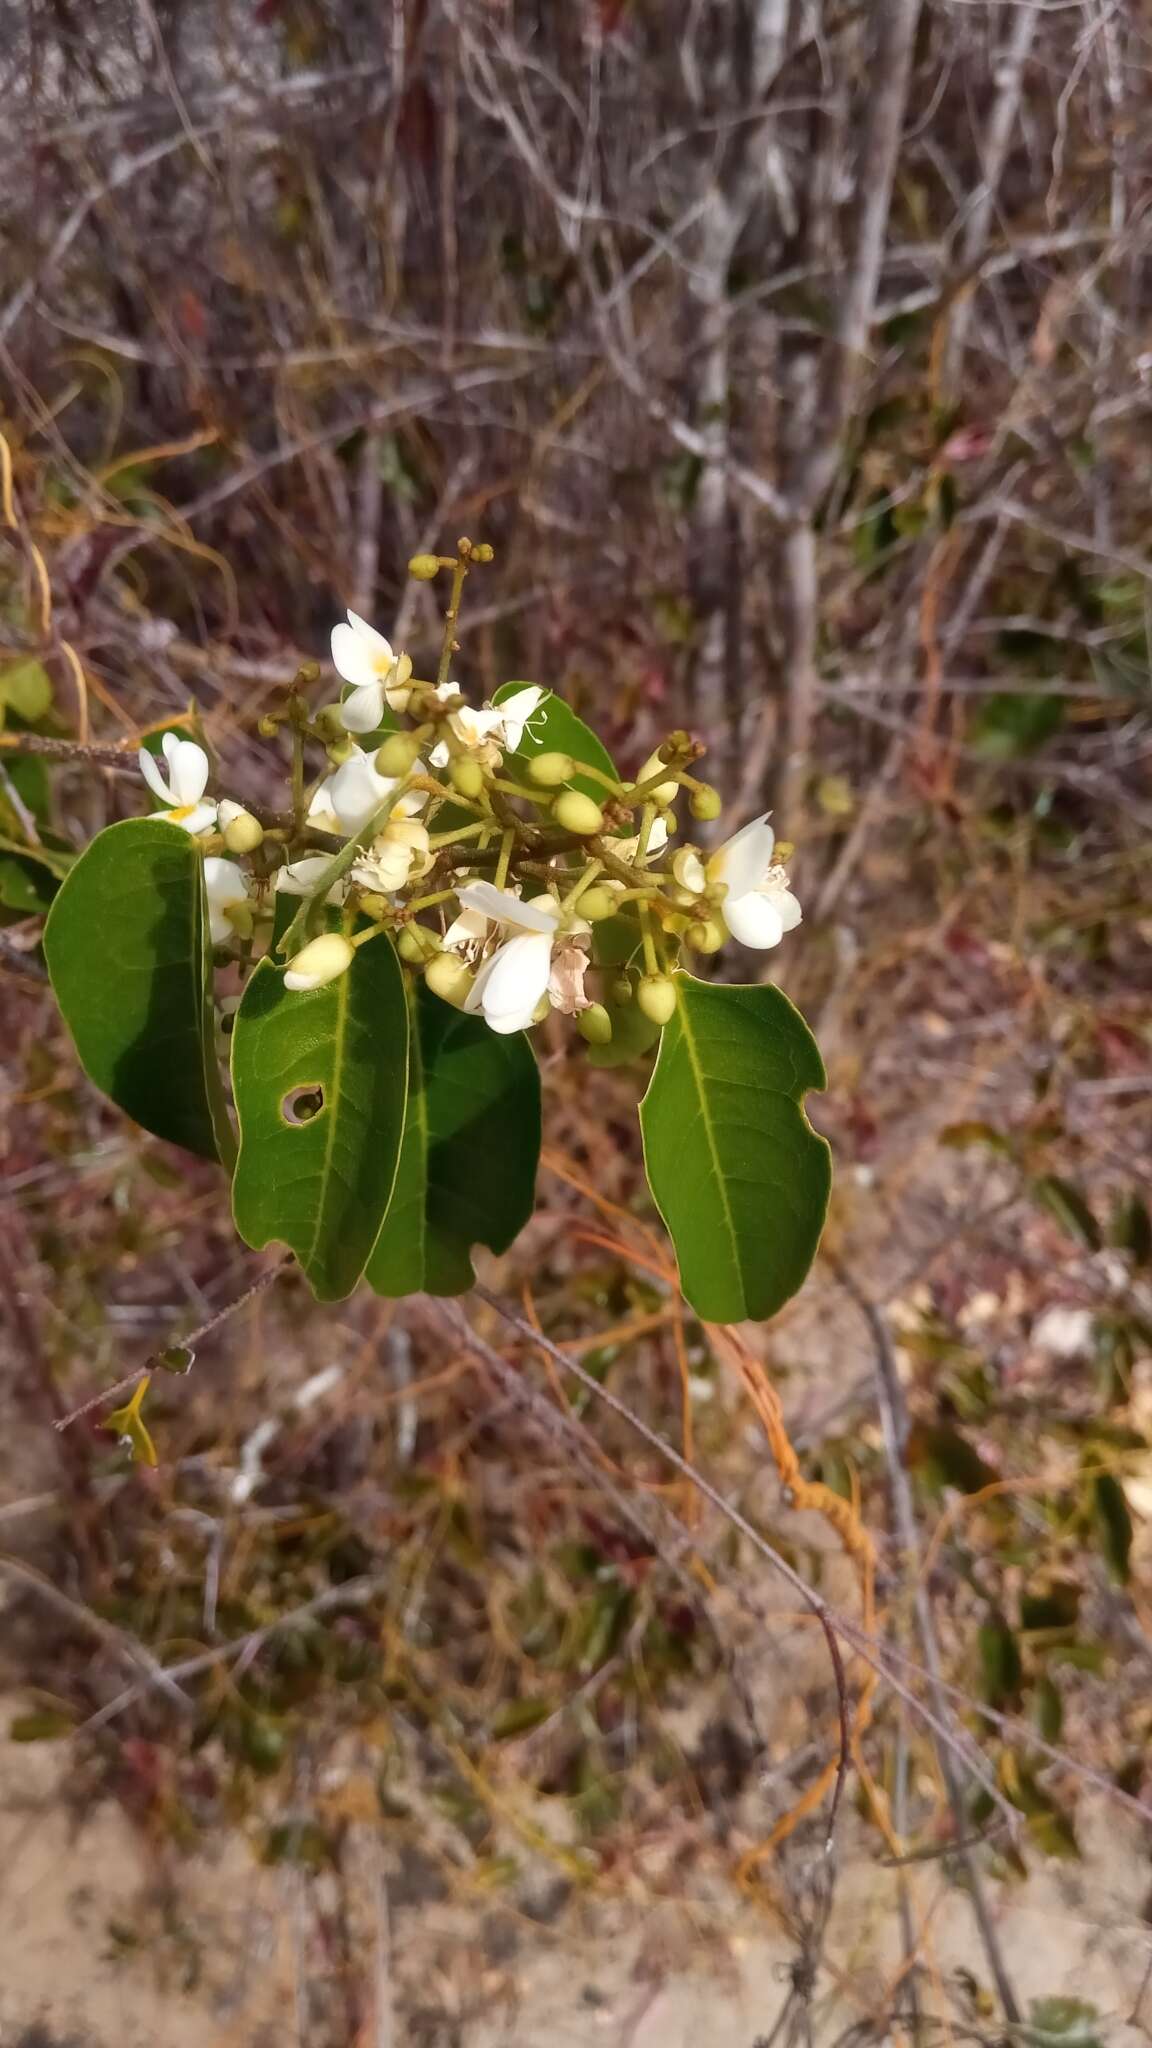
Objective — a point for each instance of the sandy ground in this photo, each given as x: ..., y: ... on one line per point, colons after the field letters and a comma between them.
x: 106, y: 1948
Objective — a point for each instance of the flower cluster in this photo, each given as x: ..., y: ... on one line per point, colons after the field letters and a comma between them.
x: 500, y: 862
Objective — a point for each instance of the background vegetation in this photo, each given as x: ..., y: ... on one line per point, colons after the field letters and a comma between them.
x: 795, y: 358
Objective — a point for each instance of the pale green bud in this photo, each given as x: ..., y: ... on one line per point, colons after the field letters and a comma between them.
x: 466, y: 776
x: 339, y: 751
x: 448, y: 978
x: 320, y: 961
x: 397, y: 754
x: 664, y: 792
x: 706, y: 935
x: 329, y: 722
x: 550, y: 770
x: 622, y: 990
x: 705, y: 804
x: 656, y: 996
x: 596, y: 903
x: 242, y: 832
x: 484, y: 552
x: 415, y: 943
x: 424, y: 567
x: 595, y: 1025
x: 372, y: 903
x: 578, y: 814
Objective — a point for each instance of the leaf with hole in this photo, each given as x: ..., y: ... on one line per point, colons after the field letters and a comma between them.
x: 467, y: 1171
x: 320, y: 1078
x: 737, y: 1172
x: 127, y: 949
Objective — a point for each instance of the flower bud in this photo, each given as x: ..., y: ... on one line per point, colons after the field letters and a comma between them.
x: 321, y: 960
x: 329, y: 722
x: 424, y: 567
x: 596, y: 903
x: 656, y: 996
x: 415, y: 943
x: 577, y: 813
x: 343, y: 750
x: 550, y: 770
x: 595, y: 1025
x: 705, y: 804
x: 268, y: 727
x: 688, y: 869
x: 242, y: 832
x: 448, y: 978
x: 707, y: 935
x: 466, y: 776
x: 397, y: 754
x: 664, y: 792
x: 483, y: 552
x: 622, y: 990
x: 372, y: 903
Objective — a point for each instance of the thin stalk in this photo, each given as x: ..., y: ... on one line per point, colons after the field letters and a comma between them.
x: 451, y: 617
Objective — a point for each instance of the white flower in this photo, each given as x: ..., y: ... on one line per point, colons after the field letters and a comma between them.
x: 321, y: 960
x: 517, y: 712
x: 300, y: 877
x: 183, y: 788
x: 226, y: 887
x: 399, y: 851
x: 758, y: 907
x: 487, y: 731
x: 510, y: 985
x: 629, y: 849
x: 364, y: 658
x: 347, y: 798
x: 467, y: 933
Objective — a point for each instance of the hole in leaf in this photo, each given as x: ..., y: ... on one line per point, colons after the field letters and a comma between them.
x: 300, y: 1105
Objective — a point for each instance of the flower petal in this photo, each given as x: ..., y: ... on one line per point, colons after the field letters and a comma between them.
x: 753, y: 919
x: 353, y: 658
x: 300, y: 877
x: 195, y: 817
x: 516, y: 710
x: 188, y: 770
x: 789, y: 908
x: 363, y: 710
x: 153, y: 775
x: 469, y: 929
x: 505, y: 908
x: 224, y: 882
x: 744, y: 860
x: 355, y: 791
x: 509, y: 987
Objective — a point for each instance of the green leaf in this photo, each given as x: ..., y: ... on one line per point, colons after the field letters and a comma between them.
x: 1064, y: 1202
x: 1000, y: 1662
x: 27, y: 886
x: 26, y: 689
x: 127, y: 949
x: 467, y: 1172
x: 320, y: 1077
x: 1012, y: 725
x: 1113, y: 1524
x: 555, y: 728
x: 736, y: 1170
x: 633, y: 1034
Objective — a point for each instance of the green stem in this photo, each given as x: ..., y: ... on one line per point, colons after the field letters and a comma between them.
x: 299, y: 930
x: 439, y: 839
x: 583, y: 881
x: 651, y: 964
x: 451, y: 616
x: 506, y: 845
